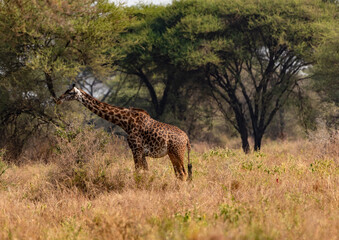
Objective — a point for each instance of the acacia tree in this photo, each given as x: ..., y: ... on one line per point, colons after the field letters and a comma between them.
x: 43, y: 45
x: 253, y: 53
x: 140, y: 60
x: 145, y: 59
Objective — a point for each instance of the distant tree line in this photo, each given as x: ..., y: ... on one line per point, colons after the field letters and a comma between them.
x: 185, y: 62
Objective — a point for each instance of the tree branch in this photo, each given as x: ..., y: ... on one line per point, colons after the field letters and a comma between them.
x: 150, y: 88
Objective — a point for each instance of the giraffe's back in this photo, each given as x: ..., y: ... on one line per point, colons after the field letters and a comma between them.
x: 160, y: 138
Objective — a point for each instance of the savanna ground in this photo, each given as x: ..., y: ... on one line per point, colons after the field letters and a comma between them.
x: 85, y: 187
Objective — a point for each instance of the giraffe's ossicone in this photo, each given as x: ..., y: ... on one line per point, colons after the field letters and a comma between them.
x: 146, y: 136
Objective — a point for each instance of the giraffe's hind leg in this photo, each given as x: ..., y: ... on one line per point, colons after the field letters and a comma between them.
x: 178, y: 165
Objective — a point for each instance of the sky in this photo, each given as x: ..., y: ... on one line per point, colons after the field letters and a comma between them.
x: 133, y: 2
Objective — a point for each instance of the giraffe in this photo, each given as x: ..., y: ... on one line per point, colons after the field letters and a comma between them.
x: 146, y: 136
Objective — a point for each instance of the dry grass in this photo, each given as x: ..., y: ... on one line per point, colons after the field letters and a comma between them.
x: 89, y: 190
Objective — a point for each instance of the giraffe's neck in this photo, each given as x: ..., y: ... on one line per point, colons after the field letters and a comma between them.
x: 116, y: 115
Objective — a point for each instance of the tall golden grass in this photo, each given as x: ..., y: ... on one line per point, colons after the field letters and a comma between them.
x: 88, y: 190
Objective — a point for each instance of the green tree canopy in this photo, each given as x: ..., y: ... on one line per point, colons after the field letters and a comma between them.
x: 253, y: 53
x: 142, y: 47
x: 43, y: 45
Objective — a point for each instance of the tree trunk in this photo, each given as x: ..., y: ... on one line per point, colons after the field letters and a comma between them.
x: 159, y: 106
x: 50, y: 86
x: 242, y: 129
x: 282, y: 134
x: 257, y: 140
x: 244, y: 142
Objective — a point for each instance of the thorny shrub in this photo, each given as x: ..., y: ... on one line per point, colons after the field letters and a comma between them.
x: 84, y: 158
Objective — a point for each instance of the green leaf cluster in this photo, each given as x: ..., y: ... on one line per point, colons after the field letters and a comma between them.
x: 43, y: 46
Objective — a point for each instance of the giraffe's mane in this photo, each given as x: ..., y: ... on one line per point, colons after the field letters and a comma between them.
x: 99, y: 102
x: 139, y: 110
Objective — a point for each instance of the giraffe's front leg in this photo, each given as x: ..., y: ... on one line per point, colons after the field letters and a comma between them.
x: 138, y: 154
x: 140, y: 160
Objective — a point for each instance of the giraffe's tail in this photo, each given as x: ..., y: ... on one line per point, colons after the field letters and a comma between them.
x: 189, y: 165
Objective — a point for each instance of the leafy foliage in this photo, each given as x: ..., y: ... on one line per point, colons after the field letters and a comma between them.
x: 189, y: 63
x: 44, y: 45
x: 252, y: 53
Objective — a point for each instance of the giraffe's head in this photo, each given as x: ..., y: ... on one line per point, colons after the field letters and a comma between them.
x: 71, y: 94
